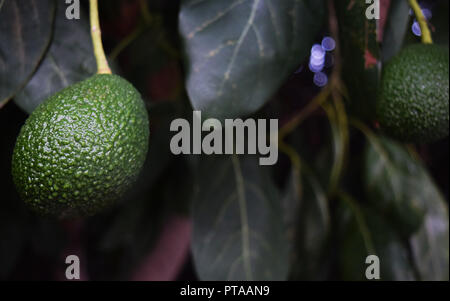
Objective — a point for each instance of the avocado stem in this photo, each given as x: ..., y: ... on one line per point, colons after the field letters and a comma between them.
x: 99, y: 53
x: 426, y: 34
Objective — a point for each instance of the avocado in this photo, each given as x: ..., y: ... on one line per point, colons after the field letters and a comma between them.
x: 413, y: 103
x: 82, y: 148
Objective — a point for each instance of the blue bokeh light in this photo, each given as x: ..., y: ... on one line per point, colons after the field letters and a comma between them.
x: 315, y: 68
x: 328, y: 44
x: 320, y: 79
x: 320, y: 59
x: 317, y: 52
x: 416, y: 28
x: 427, y: 13
x: 316, y: 64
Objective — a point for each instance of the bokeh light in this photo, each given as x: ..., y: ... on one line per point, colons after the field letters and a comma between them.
x: 416, y: 28
x: 427, y: 13
x: 328, y: 44
x: 320, y: 79
x: 320, y: 59
x: 317, y: 52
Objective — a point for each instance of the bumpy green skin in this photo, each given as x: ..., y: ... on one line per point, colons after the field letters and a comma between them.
x: 81, y: 149
x: 413, y: 103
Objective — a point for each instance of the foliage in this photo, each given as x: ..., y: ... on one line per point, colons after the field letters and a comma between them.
x: 339, y: 192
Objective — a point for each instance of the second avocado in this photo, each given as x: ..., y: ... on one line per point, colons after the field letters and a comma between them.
x: 413, y: 101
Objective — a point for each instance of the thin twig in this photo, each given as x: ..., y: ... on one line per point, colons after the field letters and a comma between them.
x: 125, y: 42
x: 303, y: 114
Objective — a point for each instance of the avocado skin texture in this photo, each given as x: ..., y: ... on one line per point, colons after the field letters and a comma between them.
x: 413, y: 103
x: 82, y: 148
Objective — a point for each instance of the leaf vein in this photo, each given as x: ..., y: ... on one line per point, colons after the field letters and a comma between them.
x: 217, y: 17
x: 240, y: 186
x: 58, y: 70
x: 238, y: 45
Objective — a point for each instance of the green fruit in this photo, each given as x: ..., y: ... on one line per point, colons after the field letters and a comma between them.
x: 413, y: 103
x: 81, y: 149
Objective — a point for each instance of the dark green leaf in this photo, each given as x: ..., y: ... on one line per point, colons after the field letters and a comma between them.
x: 240, y: 52
x: 237, y: 223
x: 395, y: 29
x: 397, y: 184
x: 307, y: 218
x: 25, y: 31
x: 362, y: 233
x: 291, y: 203
x: 360, y: 56
x: 69, y: 59
x: 339, y: 134
x: 400, y: 186
x: 430, y: 245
